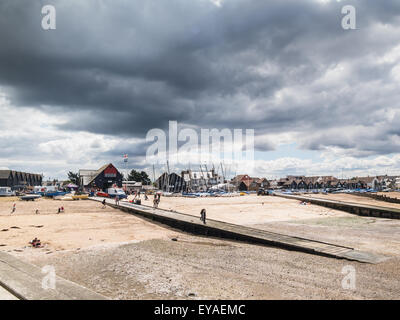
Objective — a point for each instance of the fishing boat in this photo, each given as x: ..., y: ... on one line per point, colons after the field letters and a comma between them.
x: 80, y: 197
x: 30, y: 197
x: 102, y: 194
x: 52, y: 194
x: 49, y: 191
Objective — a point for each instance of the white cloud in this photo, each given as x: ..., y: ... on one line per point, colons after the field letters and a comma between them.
x: 31, y: 141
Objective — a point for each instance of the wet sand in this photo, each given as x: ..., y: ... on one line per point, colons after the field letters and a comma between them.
x: 204, y: 268
x: 390, y: 194
x: 356, y: 199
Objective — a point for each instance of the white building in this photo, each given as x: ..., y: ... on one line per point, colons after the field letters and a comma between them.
x: 86, y: 176
x: 201, y: 180
x: 132, y: 186
x: 397, y: 183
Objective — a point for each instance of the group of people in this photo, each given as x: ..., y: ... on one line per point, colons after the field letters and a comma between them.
x: 138, y: 194
x: 156, y: 202
x: 35, y: 243
x: 14, y: 208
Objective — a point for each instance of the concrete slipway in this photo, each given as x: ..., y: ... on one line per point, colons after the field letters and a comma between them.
x: 23, y: 281
x: 219, y: 229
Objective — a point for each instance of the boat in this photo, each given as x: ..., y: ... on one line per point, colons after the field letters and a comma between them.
x: 67, y: 197
x: 30, y: 197
x: 42, y: 190
x: 80, y: 197
x: 52, y: 194
x: 102, y: 194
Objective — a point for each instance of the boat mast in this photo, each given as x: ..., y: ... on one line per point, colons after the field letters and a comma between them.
x: 168, y: 174
x: 223, y: 174
x: 207, y: 176
x: 202, y: 174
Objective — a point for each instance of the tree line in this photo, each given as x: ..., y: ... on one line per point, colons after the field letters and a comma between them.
x: 134, y: 175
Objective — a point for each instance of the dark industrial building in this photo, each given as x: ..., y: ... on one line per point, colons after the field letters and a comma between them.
x: 106, y: 177
x: 171, y: 183
x: 11, y: 178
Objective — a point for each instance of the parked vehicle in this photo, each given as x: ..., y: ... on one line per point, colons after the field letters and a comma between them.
x: 113, y: 192
x: 6, y: 192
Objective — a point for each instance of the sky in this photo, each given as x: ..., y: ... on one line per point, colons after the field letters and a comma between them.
x: 322, y: 100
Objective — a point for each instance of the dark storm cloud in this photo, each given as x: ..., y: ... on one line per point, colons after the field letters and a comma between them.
x: 124, y: 67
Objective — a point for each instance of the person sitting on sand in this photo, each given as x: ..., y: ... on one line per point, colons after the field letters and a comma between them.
x: 62, y: 209
x: 37, y: 211
x: 104, y: 203
x: 36, y: 243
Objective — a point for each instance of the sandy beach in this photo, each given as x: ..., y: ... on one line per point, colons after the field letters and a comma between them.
x: 246, y: 210
x: 84, y: 223
x: 125, y: 257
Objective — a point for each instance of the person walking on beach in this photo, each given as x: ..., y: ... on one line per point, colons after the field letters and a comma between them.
x: 156, y: 200
x: 104, y: 203
x: 203, y: 215
x: 117, y: 200
x: 13, y: 208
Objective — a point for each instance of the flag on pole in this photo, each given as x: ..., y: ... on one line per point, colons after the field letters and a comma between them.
x: 125, y: 158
